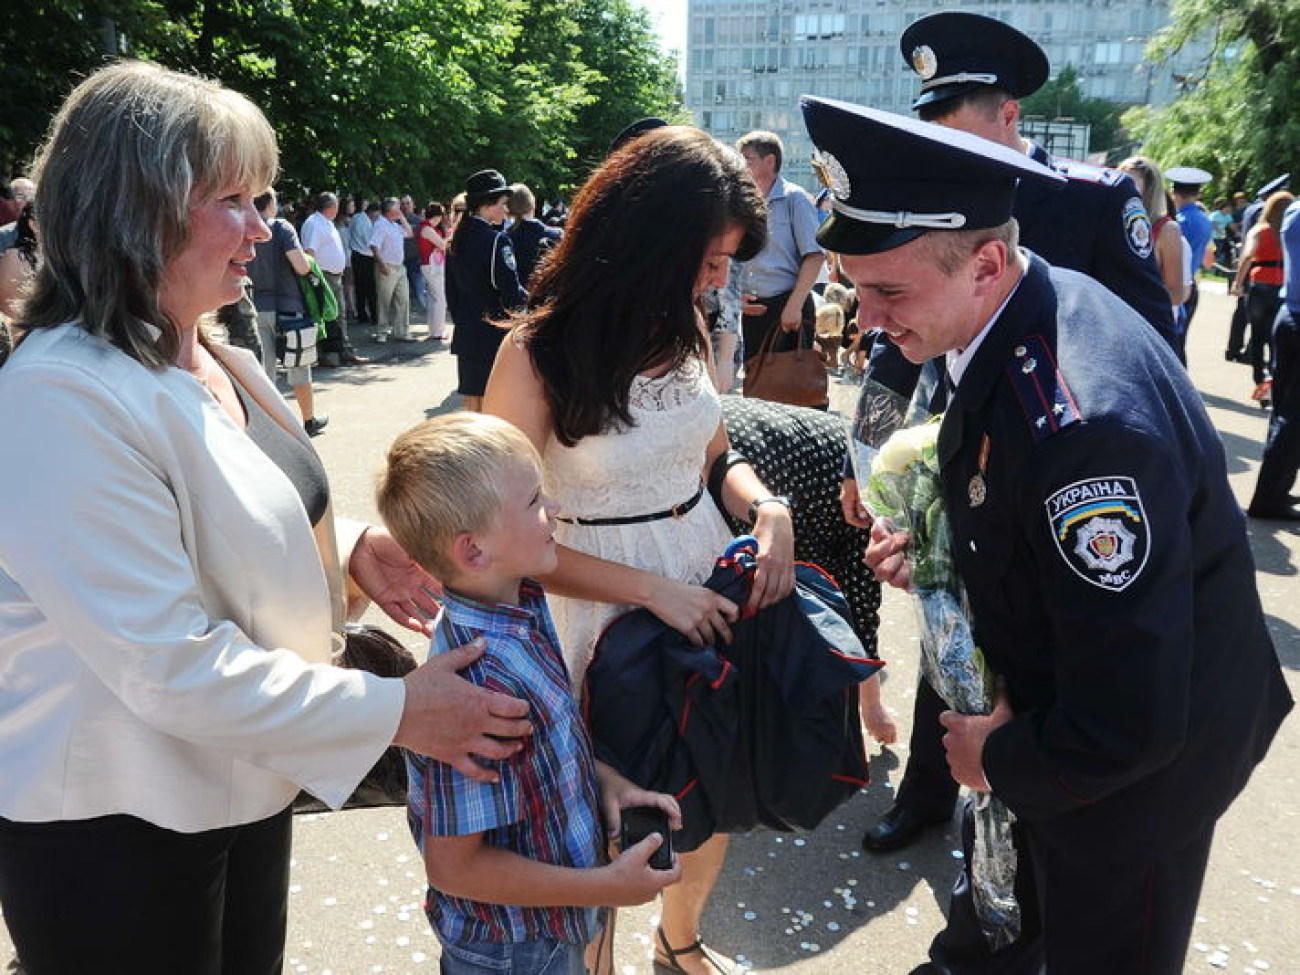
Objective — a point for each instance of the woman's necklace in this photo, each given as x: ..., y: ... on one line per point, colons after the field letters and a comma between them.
x: 203, y: 375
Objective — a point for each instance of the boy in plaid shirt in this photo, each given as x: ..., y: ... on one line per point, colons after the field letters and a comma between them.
x: 516, y: 867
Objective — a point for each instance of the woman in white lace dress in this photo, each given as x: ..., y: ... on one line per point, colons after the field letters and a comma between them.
x: 607, y: 375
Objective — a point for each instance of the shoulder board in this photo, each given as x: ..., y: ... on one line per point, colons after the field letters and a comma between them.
x: 1088, y: 173
x: 1048, y: 403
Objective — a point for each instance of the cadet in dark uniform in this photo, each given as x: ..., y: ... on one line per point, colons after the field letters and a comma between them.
x: 482, y: 283
x: 972, y: 70
x: 1105, y: 558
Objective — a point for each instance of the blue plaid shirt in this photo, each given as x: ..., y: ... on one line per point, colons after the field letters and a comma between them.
x: 545, y: 807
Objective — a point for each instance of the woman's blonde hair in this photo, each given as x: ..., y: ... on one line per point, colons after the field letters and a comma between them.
x: 1150, y: 184
x: 131, y: 150
x: 1274, y: 207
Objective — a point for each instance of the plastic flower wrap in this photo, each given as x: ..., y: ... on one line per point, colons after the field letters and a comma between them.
x: 895, y: 457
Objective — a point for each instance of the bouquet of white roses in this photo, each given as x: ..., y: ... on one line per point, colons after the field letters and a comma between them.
x: 897, y: 470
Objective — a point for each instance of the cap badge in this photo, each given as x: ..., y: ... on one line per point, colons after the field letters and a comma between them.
x: 832, y: 174
x: 924, y: 62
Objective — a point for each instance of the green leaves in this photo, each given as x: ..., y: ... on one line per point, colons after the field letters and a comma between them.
x: 1240, y: 118
x: 373, y: 96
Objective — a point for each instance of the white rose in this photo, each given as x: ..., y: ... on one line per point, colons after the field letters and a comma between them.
x: 904, y: 449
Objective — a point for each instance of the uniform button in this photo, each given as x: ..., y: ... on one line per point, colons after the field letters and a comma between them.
x: 1021, y: 351
x: 972, y: 546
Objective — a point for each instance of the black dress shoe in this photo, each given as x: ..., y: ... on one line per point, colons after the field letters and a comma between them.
x: 316, y: 424
x: 897, y: 828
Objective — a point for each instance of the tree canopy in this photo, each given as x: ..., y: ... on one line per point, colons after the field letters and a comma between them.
x: 375, y: 96
x: 1240, y: 116
x: 1062, y: 97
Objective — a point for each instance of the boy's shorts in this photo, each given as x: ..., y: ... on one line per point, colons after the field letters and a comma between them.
x: 521, y: 958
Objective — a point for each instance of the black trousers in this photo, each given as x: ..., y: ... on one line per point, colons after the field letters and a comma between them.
x: 1084, y: 910
x: 1237, y: 328
x: 1262, y: 303
x: 363, y: 283
x: 1281, y: 461
x: 118, y: 896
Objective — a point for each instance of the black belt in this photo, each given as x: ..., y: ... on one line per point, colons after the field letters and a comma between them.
x: 1267, y: 264
x: 676, y: 511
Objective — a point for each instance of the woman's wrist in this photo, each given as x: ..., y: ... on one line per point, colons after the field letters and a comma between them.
x: 766, y: 505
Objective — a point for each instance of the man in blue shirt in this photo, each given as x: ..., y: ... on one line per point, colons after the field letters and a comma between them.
x: 777, y: 284
x: 1196, y: 227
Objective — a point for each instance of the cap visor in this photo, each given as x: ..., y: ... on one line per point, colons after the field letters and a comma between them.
x: 846, y: 236
x: 945, y: 92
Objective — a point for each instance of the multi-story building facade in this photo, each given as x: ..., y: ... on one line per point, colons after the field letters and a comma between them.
x: 748, y: 61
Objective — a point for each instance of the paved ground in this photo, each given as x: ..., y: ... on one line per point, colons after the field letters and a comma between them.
x: 813, y: 903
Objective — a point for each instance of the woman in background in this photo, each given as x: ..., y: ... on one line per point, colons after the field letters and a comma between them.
x: 1259, y: 278
x: 1166, y: 236
x: 433, y: 239
x: 482, y: 283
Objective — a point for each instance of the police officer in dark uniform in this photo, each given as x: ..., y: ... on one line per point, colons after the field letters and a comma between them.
x: 482, y: 283
x: 972, y: 70
x: 1110, y: 580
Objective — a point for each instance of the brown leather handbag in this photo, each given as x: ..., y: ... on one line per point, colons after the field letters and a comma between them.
x: 796, y: 377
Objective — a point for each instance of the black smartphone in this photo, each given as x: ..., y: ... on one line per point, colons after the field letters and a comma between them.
x: 638, y: 823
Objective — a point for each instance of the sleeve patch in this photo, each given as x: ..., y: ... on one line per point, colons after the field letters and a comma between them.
x: 1137, y: 227
x: 1101, y: 531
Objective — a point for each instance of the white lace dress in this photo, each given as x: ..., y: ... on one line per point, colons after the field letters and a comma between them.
x: 631, y: 471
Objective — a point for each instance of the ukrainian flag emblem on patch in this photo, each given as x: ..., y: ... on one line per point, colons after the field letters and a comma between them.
x: 1100, y: 529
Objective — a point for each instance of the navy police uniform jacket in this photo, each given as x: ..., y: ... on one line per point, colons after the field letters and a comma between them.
x: 482, y: 284
x: 1097, y: 224
x: 1109, y: 575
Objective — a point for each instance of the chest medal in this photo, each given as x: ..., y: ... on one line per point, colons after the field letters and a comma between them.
x: 978, y: 490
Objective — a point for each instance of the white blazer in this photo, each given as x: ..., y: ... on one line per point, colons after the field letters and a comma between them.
x: 165, y: 616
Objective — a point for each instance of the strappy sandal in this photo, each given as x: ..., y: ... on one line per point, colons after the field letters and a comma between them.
x: 717, y: 962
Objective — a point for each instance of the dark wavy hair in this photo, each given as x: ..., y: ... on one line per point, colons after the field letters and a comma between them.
x: 617, y: 295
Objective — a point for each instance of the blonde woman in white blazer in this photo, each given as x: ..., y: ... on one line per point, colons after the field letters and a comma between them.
x: 170, y: 581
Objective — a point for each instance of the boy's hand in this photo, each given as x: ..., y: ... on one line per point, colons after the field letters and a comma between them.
x: 632, y: 880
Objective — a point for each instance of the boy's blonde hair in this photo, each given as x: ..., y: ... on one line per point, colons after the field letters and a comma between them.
x: 837, y: 294
x: 830, y: 320
x: 442, y: 478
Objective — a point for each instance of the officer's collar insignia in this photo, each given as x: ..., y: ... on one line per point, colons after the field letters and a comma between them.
x: 924, y: 61
x: 832, y: 174
x: 1100, y: 529
x: 1137, y: 228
